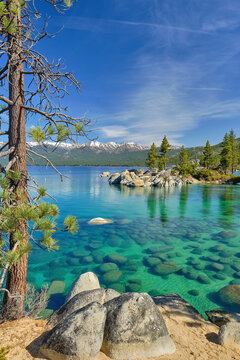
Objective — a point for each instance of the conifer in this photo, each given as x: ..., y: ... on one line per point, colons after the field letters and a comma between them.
x: 152, y: 157
x: 207, y: 156
x: 183, y: 161
x: 164, y: 149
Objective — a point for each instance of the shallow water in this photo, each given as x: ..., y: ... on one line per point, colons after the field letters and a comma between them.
x: 195, y: 229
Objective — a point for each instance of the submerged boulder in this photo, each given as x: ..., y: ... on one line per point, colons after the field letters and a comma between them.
x: 78, y: 337
x: 230, y: 295
x: 135, y: 328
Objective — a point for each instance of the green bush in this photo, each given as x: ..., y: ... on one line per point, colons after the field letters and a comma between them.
x: 212, y: 175
x: 3, y: 352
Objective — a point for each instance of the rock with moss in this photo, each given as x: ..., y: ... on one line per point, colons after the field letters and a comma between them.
x: 116, y: 258
x: 230, y: 295
x: 111, y: 276
x: 166, y: 268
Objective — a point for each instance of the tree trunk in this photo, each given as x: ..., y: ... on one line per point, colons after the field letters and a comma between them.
x: 16, y: 279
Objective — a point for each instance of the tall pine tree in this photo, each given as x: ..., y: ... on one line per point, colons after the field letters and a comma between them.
x: 234, y: 150
x: 164, y: 149
x: 152, y: 157
x: 207, y: 156
x: 183, y: 161
x: 227, y: 152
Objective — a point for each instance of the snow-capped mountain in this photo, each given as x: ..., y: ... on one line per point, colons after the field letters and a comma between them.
x: 93, y: 145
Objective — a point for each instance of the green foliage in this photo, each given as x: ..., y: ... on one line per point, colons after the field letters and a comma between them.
x: 40, y: 215
x: 152, y: 157
x: 78, y: 127
x: 37, y: 133
x: 3, y: 352
x: 183, y: 162
x: 207, y: 159
x: 212, y: 175
x: 230, y: 152
x: 164, y: 149
x: 71, y: 224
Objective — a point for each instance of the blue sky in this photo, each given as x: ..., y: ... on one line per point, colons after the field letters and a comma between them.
x: 152, y: 67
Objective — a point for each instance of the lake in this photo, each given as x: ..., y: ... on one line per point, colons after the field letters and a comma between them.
x: 177, y: 240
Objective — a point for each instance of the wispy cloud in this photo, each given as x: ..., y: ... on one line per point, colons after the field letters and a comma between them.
x: 101, y: 24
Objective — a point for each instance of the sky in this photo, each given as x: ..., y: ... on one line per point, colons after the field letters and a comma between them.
x: 151, y: 68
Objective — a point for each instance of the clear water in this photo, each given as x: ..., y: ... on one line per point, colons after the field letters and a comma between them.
x: 186, y: 223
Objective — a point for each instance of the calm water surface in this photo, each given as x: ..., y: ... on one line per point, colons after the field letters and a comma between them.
x: 194, y: 229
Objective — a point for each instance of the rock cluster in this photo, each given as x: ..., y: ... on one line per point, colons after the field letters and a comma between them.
x: 127, y: 326
x: 142, y: 178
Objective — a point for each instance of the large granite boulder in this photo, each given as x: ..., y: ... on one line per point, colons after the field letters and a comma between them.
x: 78, y: 337
x: 114, y: 179
x: 105, y: 174
x: 100, y: 221
x: 76, y: 303
x: 229, y: 331
x: 135, y: 328
x: 86, y: 281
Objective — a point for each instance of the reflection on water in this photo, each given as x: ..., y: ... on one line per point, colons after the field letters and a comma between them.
x: 195, y: 228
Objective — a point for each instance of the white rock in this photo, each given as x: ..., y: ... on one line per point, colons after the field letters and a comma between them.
x: 100, y: 221
x: 85, y: 282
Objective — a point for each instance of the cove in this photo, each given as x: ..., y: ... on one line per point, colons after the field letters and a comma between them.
x: 183, y: 240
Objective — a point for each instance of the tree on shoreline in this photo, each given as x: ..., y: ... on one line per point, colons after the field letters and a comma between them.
x: 183, y: 161
x: 207, y: 156
x: 164, y: 149
x: 152, y: 157
x: 22, y: 214
x: 230, y: 152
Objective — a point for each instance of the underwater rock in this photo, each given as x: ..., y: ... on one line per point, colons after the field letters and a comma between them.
x: 152, y: 261
x: 219, y: 276
x: 56, y: 287
x: 111, y: 276
x: 166, y: 268
x: 216, y: 267
x: 204, y: 279
x: 133, y: 287
x: 100, y: 221
x: 230, y: 295
x: 107, y: 267
x: 193, y: 292
x: 135, y: 328
x: 118, y: 287
x: 73, y: 262
x: 116, y: 258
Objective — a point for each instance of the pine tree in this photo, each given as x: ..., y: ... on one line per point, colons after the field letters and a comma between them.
x: 152, y: 157
x: 234, y: 150
x: 183, y: 161
x: 207, y: 156
x: 21, y: 214
x: 164, y: 149
x: 226, y: 153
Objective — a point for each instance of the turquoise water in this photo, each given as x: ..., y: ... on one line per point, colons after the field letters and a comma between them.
x: 195, y: 229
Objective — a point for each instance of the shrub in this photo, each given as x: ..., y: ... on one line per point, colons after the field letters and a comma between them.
x: 3, y: 352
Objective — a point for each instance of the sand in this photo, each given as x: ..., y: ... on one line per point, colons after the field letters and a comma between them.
x: 195, y: 338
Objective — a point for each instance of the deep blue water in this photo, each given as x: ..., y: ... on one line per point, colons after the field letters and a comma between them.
x: 180, y: 226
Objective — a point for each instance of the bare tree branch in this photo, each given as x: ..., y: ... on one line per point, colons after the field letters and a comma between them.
x: 7, y: 101
x: 7, y: 152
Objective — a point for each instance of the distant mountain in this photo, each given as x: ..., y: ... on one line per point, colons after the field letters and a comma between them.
x: 103, y: 154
